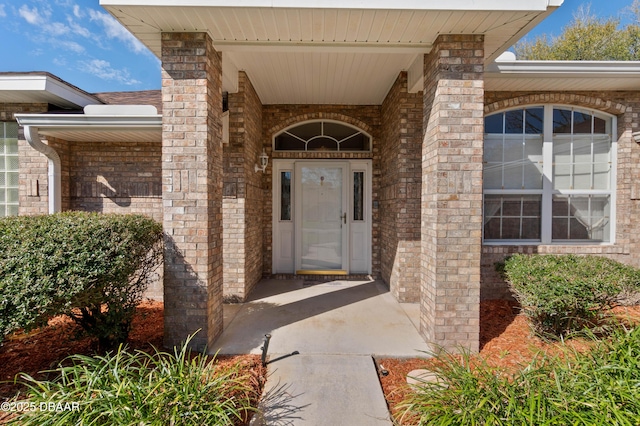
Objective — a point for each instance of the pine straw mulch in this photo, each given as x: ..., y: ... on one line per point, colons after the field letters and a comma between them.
x: 506, y: 342
x: 44, y: 348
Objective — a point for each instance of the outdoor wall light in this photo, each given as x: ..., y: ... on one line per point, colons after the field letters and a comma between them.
x: 264, y: 160
x: 636, y: 136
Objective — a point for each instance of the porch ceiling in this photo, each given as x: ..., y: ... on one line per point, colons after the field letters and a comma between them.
x: 327, y: 51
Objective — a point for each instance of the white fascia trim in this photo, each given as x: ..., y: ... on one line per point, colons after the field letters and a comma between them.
x: 582, y: 68
x: 450, y: 5
x: 45, y: 83
x: 90, y: 122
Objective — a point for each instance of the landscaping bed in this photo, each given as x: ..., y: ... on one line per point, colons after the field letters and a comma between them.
x: 44, y: 348
x: 506, y: 343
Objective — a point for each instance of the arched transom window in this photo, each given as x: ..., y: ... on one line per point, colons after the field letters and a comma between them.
x: 549, y: 175
x: 322, y: 135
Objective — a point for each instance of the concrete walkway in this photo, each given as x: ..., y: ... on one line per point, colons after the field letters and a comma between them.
x: 324, y: 337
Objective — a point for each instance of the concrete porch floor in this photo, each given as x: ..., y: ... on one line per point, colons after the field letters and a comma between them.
x: 336, y: 317
x: 321, y: 371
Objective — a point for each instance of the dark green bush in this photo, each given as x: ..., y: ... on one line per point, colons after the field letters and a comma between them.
x: 93, y: 267
x: 565, y: 293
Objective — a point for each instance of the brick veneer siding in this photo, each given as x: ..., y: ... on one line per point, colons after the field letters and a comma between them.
x: 32, y: 166
x: 278, y: 117
x: 116, y: 177
x: 34, y: 176
x: 452, y: 192
x: 625, y: 106
x: 243, y: 193
x: 192, y: 188
x: 400, y: 176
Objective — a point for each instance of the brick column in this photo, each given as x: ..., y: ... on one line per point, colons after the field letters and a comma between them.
x: 401, y: 171
x: 452, y: 192
x: 192, y: 187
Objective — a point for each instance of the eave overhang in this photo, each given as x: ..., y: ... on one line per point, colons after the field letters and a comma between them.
x: 42, y: 88
x: 102, y: 128
x: 562, y: 76
x: 327, y: 51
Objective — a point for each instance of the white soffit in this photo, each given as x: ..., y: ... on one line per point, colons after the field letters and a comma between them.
x: 96, y: 128
x: 42, y: 88
x: 513, y: 76
x: 283, y: 45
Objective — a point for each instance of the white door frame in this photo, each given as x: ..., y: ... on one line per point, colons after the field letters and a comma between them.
x: 358, y: 233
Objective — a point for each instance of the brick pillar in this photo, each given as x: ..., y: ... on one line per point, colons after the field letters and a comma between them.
x: 192, y: 187
x: 401, y: 171
x: 452, y: 192
x: 242, y: 193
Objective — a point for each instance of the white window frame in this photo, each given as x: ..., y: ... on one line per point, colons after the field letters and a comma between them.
x: 547, y: 187
x: 321, y: 121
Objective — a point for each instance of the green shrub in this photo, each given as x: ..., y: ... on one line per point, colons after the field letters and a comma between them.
x: 565, y: 293
x: 601, y: 387
x: 92, y: 267
x: 136, y: 388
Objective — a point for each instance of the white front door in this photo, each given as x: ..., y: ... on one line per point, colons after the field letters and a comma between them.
x: 322, y: 216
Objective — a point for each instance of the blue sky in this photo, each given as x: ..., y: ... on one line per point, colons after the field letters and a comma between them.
x: 564, y: 14
x: 81, y: 43
x: 78, y: 41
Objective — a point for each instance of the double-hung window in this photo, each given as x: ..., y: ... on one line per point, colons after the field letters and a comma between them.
x: 549, y: 176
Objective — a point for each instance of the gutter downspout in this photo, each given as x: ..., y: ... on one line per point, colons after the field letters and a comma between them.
x: 55, y: 168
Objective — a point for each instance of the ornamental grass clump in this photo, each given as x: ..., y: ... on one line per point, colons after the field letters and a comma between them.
x: 137, y: 388
x: 561, y: 294
x: 601, y: 387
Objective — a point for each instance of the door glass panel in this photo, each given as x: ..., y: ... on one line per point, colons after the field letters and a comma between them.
x: 321, y: 227
x: 285, y: 195
x: 358, y: 195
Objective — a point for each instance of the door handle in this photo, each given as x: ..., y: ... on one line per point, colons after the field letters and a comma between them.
x: 344, y: 217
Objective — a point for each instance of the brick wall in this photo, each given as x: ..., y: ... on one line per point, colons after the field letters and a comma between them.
x: 400, y: 175
x: 625, y: 106
x: 32, y: 165
x: 242, y: 193
x: 116, y: 177
x: 192, y: 188
x: 452, y: 192
x: 278, y: 117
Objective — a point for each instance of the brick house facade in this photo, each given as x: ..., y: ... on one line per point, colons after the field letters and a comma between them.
x: 425, y: 189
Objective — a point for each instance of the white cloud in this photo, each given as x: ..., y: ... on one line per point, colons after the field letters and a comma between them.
x: 2, y: 12
x: 69, y: 45
x: 114, y: 30
x: 32, y: 16
x: 102, y: 69
x: 60, y: 61
x: 77, y: 12
x: 56, y: 28
x: 78, y: 29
